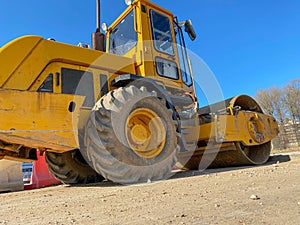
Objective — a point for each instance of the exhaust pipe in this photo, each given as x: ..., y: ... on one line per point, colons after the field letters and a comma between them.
x: 98, y: 38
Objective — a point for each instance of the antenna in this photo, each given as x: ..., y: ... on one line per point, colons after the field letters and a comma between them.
x: 97, y: 37
x: 98, y: 17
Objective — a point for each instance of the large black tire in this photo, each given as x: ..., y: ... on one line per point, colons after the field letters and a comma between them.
x: 108, y: 145
x: 71, y: 168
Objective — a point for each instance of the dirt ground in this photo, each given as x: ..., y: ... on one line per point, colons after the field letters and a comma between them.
x: 216, y: 196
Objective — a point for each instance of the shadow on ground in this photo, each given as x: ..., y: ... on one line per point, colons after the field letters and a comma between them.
x: 177, y: 174
x: 191, y: 173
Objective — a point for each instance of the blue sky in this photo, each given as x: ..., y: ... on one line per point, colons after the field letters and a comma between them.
x: 247, y: 44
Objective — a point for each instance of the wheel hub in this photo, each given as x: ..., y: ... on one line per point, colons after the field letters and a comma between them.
x: 139, y: 134
x: 145, y: 133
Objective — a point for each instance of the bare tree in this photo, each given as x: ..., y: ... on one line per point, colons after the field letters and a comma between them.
x: 264, y: 100
x: 277, y: 100
x: 292, y: 105
x: 284, y: 105
x: 272, y: 102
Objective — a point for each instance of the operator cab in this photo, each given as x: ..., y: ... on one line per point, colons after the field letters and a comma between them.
x: 153, y: 38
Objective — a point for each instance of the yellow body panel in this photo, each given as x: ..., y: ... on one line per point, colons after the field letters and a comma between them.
x: 237, y: 128
x: 44, y: 52
x: 14, y: 53
x: 39, y: 120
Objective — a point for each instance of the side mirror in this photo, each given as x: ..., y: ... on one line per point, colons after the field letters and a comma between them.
x: 188, y: 27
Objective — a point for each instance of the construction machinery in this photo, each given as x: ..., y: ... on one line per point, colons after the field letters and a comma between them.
x: 125, y: 110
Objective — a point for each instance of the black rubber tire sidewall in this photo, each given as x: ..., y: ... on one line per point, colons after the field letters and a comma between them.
x: 70, y: 168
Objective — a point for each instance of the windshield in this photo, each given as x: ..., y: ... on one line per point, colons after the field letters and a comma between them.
x: 123, y: 37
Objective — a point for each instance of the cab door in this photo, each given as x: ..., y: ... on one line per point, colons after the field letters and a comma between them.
x: 165, y: 55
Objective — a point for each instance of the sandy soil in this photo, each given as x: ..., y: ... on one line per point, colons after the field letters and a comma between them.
x: 219, y: 196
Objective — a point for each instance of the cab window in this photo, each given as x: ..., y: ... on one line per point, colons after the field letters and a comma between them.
x: 162, y: 33
x: 123, y: 37
x: 47, y: 85
x: 166, y: 68
x: 78, y: 82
